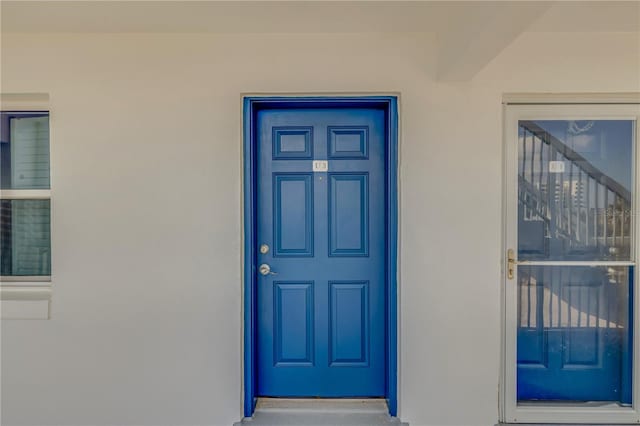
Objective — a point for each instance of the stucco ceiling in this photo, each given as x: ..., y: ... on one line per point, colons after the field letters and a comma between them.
x: 303, y: 16
x: 469, y: 34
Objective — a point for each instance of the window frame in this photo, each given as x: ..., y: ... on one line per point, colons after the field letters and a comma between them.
x: 27, y: 297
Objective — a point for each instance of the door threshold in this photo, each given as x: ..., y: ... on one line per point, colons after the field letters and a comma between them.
x: 312, y: 405
x: 321, y: 412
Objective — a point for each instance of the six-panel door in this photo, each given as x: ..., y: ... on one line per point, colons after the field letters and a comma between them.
x: 321, y: 310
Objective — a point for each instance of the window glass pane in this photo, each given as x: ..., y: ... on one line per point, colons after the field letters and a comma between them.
x: 24, y: 150
x: 25, y: 237
x: 574, y: 189
x: 574, y: 333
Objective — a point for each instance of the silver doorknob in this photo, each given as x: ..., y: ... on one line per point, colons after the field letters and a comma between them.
x: 265, y: 269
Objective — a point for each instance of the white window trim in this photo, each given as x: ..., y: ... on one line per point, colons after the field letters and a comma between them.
x: 623, y: 98
x: 558, y: 107
x: 25, y: 297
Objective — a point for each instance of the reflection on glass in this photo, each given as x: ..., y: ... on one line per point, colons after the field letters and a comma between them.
x: 25, y: 237
x: 24, y: 150
x: 574, y: 189
x: 574, y: 334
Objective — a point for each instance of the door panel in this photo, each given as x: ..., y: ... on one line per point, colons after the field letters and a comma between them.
x: 348, y: 214
x: 574, y: 190
x: 293, y: 323
x: 572, y: 333
x: 349, y: 329
x: 321, y: 312
x: 293, y: 227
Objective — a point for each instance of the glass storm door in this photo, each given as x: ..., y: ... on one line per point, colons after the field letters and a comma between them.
x: 321, y: 251
x: 570, y: 263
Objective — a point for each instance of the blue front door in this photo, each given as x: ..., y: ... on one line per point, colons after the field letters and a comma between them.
x: 321, y: 247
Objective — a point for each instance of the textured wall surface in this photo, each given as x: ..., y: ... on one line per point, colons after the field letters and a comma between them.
x: 146, y: 227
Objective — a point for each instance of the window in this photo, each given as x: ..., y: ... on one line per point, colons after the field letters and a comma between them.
x: 25, y: 213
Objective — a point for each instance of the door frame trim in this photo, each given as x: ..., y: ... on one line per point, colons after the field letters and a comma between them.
x: 251, y: 104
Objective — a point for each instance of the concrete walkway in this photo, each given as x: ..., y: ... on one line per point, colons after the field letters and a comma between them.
x: 321, y: 412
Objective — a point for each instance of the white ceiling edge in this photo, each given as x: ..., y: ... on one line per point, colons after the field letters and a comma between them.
x: 298, y: 16
x: 469, y: 34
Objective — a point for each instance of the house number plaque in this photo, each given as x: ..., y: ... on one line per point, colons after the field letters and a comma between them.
x: 320, y: 166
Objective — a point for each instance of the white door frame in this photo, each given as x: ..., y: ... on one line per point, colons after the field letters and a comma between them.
x: 510, y: 411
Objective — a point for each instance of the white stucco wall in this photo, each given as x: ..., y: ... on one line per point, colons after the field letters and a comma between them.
x: 146, y: 174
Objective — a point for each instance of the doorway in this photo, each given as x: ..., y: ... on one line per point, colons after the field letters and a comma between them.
x: 320, y: 248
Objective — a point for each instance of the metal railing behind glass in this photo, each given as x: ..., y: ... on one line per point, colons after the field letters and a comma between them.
x: 581, y: 206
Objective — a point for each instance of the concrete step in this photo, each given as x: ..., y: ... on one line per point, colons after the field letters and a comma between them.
x: 321, y: 412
